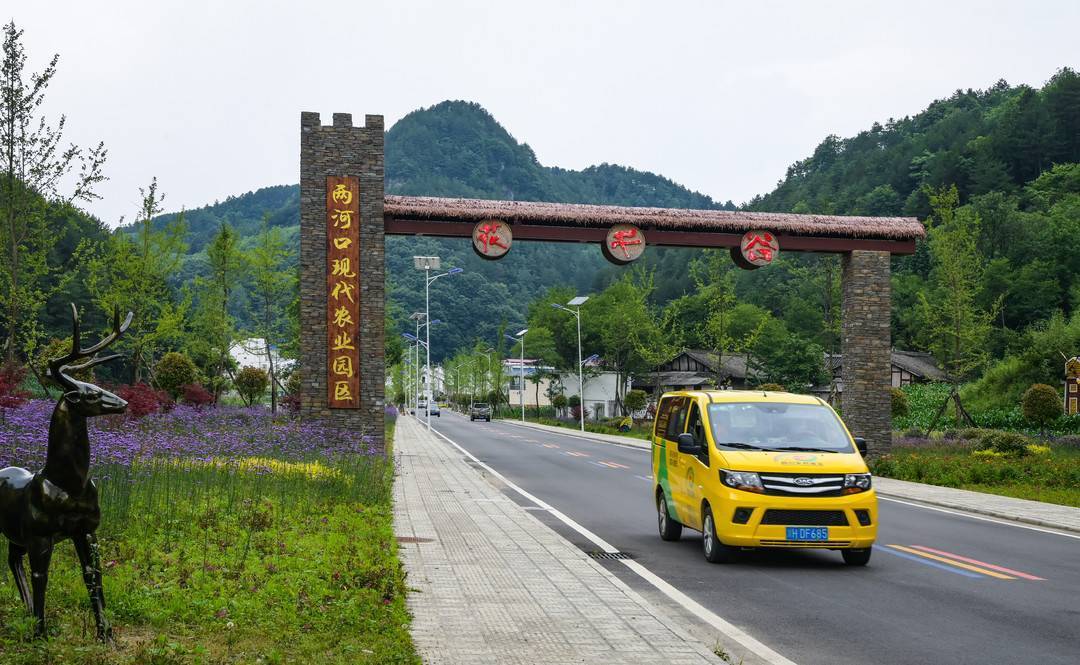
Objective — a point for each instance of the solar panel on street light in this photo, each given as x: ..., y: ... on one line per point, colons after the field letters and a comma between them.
x: 521, y: 332
x: 578, y: 300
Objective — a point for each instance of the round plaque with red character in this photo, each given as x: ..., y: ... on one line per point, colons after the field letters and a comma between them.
x: 624, y: 244
x: 757, y: 249
x: 491, y: 239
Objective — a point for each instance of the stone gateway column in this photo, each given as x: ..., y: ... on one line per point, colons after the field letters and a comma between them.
x: 341, y: 303
x: 866, y: 345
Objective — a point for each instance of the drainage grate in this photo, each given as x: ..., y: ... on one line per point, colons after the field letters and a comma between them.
x: 610, y: 555
x: 414, y: 539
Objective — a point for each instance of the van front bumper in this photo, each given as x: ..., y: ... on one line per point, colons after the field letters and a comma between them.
x: 841, y: 514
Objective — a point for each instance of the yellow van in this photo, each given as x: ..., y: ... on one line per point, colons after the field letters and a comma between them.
x: 761, y: 469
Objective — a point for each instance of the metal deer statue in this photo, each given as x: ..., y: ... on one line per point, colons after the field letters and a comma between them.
x: 38, y: 510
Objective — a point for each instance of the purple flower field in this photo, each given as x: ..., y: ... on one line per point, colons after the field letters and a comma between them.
x: 182, y: 433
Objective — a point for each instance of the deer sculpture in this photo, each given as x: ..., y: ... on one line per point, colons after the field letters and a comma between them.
x: 38, y: 510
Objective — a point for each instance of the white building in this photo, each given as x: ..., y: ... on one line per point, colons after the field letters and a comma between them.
x: 600, y: 387
x: 251, y: 352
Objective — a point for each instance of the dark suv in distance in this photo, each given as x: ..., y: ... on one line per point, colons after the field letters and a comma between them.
x: 480, y: 410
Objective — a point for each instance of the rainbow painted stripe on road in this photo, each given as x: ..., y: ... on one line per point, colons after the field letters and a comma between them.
x: 957, y: 563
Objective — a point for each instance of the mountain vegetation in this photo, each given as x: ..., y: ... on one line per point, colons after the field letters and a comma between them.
x: 994, y: 173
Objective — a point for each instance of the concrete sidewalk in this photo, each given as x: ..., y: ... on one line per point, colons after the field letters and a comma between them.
x: 1050, y: 515
x: 492, y: 584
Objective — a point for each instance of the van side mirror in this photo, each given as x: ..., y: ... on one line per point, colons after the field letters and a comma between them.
x: 860, y: 445
x: 688, y: 445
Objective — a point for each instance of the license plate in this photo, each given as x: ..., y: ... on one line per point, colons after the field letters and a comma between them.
x: 808, y: 533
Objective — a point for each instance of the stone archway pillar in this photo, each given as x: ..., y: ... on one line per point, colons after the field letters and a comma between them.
x: 866, y: 345
x: 341, y: 150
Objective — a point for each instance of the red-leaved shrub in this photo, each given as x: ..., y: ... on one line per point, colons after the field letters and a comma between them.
x: 197, y: 396
x: 11, y: 378
x: 143, y: 400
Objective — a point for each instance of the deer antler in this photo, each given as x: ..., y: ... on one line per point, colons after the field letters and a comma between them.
x: 59, y: 366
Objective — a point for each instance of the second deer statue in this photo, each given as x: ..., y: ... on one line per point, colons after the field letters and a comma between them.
x: 38, y: 510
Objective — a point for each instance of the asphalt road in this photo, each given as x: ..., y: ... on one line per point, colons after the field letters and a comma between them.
x: 904, y: 607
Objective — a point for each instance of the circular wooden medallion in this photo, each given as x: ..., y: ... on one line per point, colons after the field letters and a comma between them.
x: 757, y: 249
x: 491, y: 239
x: 625, y: 243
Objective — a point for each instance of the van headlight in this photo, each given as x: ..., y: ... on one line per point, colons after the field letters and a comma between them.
x: 748, y: 481
x: 856, y: 482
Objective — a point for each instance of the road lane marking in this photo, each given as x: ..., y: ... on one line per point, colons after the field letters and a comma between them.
x: 912, y: 557
x: 550, y: 445
x: 646, y: 479
x: 576, y: 454
x: 688, y: 603
x: 1001, y: 569
x: 615, y: 465
x: 965, y: 566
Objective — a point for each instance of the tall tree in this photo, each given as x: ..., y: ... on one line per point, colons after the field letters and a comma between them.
x: 272, y: 282
x: 214, y: 325
x: 34, y: 163
x: 131, y: 272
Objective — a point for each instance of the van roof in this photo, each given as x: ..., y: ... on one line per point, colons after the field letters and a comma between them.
x: 727, y: 396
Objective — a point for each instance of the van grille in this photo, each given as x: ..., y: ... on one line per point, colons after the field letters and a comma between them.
x: 802, y: 484
x: 805, y: 517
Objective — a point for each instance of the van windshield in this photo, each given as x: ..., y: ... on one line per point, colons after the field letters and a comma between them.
x: 479, y: 405
x: 772, y: 426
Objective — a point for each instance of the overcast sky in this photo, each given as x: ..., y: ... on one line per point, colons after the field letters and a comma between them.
x: 718, y: 96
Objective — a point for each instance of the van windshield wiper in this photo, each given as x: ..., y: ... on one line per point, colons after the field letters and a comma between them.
x: 741, y: 446
x: 808, y: 450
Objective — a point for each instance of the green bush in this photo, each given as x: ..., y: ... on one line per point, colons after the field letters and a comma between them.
x: 1041, y: 405
x: 251, y: 383
x: 573, y: 401
x: 57, y: 348
x: 173, y: 372
x: 924, y: 399
x: 293, y: 385
x: 1007, y: 444
x: 635, y: 400
x: 900, y: 406
x: 772, y: 388
x: 559, y: 401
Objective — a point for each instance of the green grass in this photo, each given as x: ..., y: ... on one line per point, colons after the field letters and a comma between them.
x: 1052, y: 477
x: 229, y: 564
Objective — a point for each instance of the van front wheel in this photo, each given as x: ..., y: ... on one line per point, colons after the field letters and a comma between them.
x: 669, y: 528
x: 714, y: 550
x: 856, y: 557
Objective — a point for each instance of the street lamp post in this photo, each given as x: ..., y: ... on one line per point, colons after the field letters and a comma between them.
x: 427, y: 264
x: 577, y: 302
x: 519, y: 336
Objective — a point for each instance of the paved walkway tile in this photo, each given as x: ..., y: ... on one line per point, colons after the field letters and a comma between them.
x: 495, y: 585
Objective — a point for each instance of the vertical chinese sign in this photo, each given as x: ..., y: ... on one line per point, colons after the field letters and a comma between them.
x: 343, y: 292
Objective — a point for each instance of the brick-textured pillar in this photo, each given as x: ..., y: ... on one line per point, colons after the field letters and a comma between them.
x: 866, y: 343
x: 342, y: 150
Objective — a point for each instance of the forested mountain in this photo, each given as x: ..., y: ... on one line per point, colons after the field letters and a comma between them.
x: 997, y: 146
x: 456, y: 149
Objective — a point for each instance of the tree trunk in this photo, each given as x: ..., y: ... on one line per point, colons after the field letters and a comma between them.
x: 273, y: 382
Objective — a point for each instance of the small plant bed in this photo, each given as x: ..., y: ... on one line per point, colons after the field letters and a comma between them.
x: 637, y: 431
x: 996, y: 462
x: 228, y: 536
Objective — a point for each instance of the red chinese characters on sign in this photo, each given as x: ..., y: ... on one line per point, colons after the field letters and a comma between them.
x: 342, y: 292
x: 624, y: 244
x: 492, y: 239
x: 759, y: 248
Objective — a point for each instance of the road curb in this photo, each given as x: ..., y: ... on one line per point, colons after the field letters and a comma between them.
x: 611, y: 439
x: 1005, y: 517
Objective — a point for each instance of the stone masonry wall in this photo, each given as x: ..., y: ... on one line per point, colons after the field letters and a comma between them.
x: 866, y: 342
x: 342, y: 150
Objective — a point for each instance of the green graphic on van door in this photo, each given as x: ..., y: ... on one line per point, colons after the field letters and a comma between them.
x: 662, y: 478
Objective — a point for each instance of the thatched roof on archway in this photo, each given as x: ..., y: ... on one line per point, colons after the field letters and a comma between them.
x: 424, y: 208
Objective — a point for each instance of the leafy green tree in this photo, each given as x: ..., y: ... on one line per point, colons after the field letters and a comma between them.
x: 131, y: 272
x: 251, y: 383
x: 1041, y: 405
x: 173, y: 372
x: 272, y: 282
x: 33, y: 165
x: 958, y: 328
